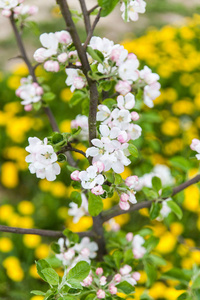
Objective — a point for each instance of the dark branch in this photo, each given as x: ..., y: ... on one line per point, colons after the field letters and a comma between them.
x: 116, y: 211
x: 41, y: 232
x: 90, y: 33
x: 85, y: 16
x: 70, y: 148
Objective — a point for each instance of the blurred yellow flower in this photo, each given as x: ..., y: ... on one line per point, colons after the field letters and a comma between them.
x: 127, y: 172
x: 167, y: 243
x: 37, y: 298
x: 83, y: 224
x: 31, y: 241
x: 62, y: 212
x: 26, y: 207
x: 183, y: 107
x: 66, y: 94
x: 65, y: 126
x: 171, y: 126
x: 6, y: 244
x: 182, y: 250
x: 26, y: 222
x: 13, y: 268
x: 195, y: 255
x: 58, y: 189
x: 9, y: 175
x: 192, y: 192
x: 157, y: 290
x: 6, y: 211
x: 187, y: 263
x: 13, y: 82
x: 173, y: 294
x: 176, y: 228
x: 42, y: 251
x: 20, y: 69
x: 33, y: 271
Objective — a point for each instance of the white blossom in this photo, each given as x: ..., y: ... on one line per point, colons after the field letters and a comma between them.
x: 8, y: 4
x: 133, y: 9
x: 78, y: 212
x: 90, y: 178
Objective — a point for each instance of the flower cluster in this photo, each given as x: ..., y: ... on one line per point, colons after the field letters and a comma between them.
x: 103, y: 287
x: 82, y: 122
x: 55, y: 50
x: 18, y: 9
x: 30, y: 92
x: 78, y: 212
x: 131, y: 8
x: 137, y: 242
x: 91, y: 179
x: 131, y: 183
x: 42, y: 159
x: 83, y: 251
x: 195, y: 146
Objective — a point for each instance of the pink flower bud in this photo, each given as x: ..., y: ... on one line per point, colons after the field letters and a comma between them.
x: 123, y: 87
x: 51, y: 66
x: 99, y: 271
x: 28, y: 107
x: 139, y: 253
x: 132, y: 56
x: 18, y: 92
x: 33, y: 10
x: 78, y: 82
x: 124, y: 205
x: 99, y: 165
x: 87, y: 281
x: 6, y: 13
x: 62, y: 58
x: 39, y: 91
x: 103, y: 280
x: 122, y: 137
x: 63, y: 37
x: 69, y: 254
x: 117, y: 278
x: 39, y: 55
x: 131, y: 181
x: 135, y: 116
x: 124, y: 197
x: 75, y: 175
x: 125, y: 270
x: 101, y: 294
x: 136, y: 276
x: 97, y: 190
x: 112, y: 289
x: 195, y: 142
x: 129, y: 237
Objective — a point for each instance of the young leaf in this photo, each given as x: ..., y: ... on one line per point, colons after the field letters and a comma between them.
x: 180, y: 162
x: 155, y: 210
x: 149, y: 193
x: 55, y: 247
x: 79, y: 272
x: 125, y: 287
x: 72, y: 237
x: 51, y: 276
x: 117, y: 256
x: 175, y: 208
x: 109, y: 102
x: 107, y: 6
x: 166, y: 192
x: 156, y: 183
x: 48, y: 96
x: 76, y: 197
x: 41, y: 265
x: 95, y: 205
x: 118, y: 179
x: 133, y: 150
x: 151, y: 273
x: 76, y: 98
x: 38, y: 293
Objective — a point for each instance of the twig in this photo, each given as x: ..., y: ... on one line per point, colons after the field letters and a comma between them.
x: 92, y: 9
x: 90, y: 33
x: 116, y: 211
x: 85, y: 16
x: 70, y: 148
x: 41, y: 232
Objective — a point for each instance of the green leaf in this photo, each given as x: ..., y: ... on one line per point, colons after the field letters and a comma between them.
x: 95, y: 204
x: 183, y: 276
x: 155, y: 210
x: 70, y: 168
x: 72, y: 237
x: 109, y: 102
x: 110, y: 177
x: 149, y: 193
x: 125, y: 287
x: 95, y: 54
x: 38, y: 293
x: 196, y: 283
x: 183, y: 296
x: 175, y: 208
x: 107, y: 6
x: 75, y: 284
x: 76, y: 197
x: 41, y: 265
x: 156, y: 183
x: 76, y: 185
x: 133, y: 150
x: 180, y: 162
x: 76, y: 98
x: 51, y: 276
x: 157, y: 260
x: 48, y: 96
x: 37, y: 105
x: 128, y: 256
x: 57, y: 138
x: 106, y: 85
x: 145, y: 296
x: 66, y: 298
x: 90, y: 297
x: 79, y: 272
x: 118, y: 179
x: 166, y: 192
x: 151, y: 273
x: 55, y: 247
x: 117, y: 257
x: 151, y: 243
x: 61, y: 157
x: 145, y: 231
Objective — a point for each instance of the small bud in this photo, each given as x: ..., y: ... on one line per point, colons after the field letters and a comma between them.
x: 87, y: 281
x: 97, y: 190
x: 135, y: 116
x: 129, y: 237
x: 112, y: 289
x: 62, y: 57
x: 136, y: 276
x: 124, y: 205
x: 125, y: 270
x: 117, y: 278
x: 51, y: 66
x: 103, y: 280
x: 28, y: 107
x: 124, y: 197
x: 75, y: 175
x: 99, y: 165
x: 101, y: 294
x: 99, y: 271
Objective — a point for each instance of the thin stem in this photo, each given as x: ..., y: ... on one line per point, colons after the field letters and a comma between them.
x: 90, y: 33
x: 51, y: 118
x: 41, y: 232
x: 92, y: 9
x: 116, y: 211
x: 70, y: 148
x: 85, y: 16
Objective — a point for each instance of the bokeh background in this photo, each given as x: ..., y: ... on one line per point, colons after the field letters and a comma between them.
x: 167, y: 39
